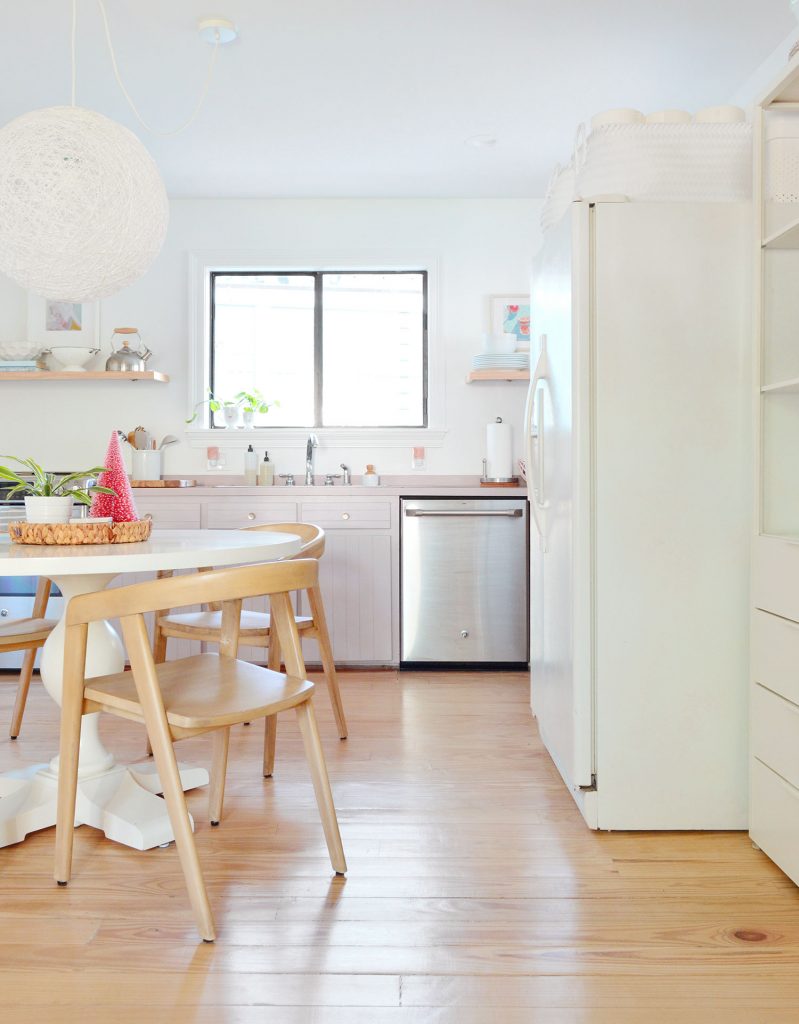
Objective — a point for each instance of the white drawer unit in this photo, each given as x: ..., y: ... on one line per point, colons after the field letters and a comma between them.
x: 775, y: 733
x: 775, y: 654
x: 361, y: 514
x: 774, y: 817
x: 170, y: 515
x: 235, y: 513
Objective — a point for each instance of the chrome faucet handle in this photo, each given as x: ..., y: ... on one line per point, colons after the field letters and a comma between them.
x: 288, y: 477
x: 330, y: 478
x: 347, y: 476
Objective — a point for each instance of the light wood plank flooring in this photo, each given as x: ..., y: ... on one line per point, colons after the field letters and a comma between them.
x: 475, y: 893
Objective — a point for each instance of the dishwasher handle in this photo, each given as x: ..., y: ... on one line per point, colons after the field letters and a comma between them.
x: 510, y: 513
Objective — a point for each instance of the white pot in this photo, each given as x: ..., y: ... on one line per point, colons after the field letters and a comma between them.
x: 247, y: 415
x: 48, y: 510
x: 231, y: 415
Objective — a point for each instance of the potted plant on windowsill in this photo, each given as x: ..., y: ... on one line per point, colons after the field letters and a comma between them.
x: 49, y: 497
x: 252, y: 402
x: 229, y: 408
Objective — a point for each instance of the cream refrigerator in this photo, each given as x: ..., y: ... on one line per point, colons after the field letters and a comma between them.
x: 638, y: 467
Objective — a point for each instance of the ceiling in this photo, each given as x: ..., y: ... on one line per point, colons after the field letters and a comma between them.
x: 371, y: 98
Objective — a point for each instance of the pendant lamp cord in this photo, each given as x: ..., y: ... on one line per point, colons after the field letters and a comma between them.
x: 198, y: 106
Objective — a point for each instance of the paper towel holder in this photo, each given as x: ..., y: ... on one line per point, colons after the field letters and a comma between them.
x: 497, y: 481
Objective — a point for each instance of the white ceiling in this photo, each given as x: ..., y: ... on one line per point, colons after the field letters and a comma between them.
x: 371, y: 98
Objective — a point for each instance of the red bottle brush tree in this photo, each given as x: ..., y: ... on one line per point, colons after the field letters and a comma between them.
x: 120, y: 505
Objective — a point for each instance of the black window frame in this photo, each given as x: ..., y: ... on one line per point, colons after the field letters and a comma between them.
x: 318, y: 372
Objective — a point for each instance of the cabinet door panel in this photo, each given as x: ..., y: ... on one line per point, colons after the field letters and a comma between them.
x: 356, y: 580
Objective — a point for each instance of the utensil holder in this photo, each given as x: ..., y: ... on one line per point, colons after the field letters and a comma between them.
x: 146, y: 465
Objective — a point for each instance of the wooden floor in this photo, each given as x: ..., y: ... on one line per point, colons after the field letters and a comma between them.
x: 475, y: 893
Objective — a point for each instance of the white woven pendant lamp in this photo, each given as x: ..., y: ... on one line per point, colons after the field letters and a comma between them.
x: 83, y: 209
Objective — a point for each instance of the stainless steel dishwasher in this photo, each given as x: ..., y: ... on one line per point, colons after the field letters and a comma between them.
x: 464, y: 582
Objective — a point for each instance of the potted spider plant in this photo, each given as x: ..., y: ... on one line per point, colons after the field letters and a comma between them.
x: 48, y: 496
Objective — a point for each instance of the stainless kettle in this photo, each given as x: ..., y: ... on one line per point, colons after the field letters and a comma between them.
x: 125, y: 359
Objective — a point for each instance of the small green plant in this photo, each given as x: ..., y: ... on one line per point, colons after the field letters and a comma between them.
x: 50, y: 485
x: 214, y: 404
x: 253, y: 401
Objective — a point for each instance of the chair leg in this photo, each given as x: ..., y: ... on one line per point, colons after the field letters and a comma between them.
x: 159, y: 657
x: 270, y: 723
x: 326, y: 654
x: 321, y: 784
x: 69, y: 751
x: 184, y: 839
x: 22, y: 692
x: 216, y: 793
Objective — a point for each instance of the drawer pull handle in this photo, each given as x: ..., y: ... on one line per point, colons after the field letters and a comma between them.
x: 345, y: 515
x: 251, y: 515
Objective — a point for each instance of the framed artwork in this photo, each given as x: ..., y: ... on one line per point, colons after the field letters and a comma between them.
x: 510, y: 314
x: 52, y: 322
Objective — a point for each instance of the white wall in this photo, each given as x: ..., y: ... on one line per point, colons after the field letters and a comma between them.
x: 482, y: 247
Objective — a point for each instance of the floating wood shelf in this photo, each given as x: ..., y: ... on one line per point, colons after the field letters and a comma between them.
x: 86, y: 375
x: 476, y: 375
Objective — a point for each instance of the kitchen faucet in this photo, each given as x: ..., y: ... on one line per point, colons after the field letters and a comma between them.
x: 313, y: 442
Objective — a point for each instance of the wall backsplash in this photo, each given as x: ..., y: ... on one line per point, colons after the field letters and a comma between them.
x: 482, y: 246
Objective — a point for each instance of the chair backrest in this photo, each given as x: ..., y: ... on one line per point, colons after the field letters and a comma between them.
x: 196, y: 588
x: 313, y: 537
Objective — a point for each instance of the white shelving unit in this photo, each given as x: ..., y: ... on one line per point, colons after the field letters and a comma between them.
x: 774, y: 789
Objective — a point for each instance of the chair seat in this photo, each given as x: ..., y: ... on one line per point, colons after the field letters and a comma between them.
x: 205, y: 691
x: 252, y: 623
x: 26, y: 630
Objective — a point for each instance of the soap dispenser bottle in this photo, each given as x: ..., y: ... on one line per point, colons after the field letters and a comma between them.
x: 370, y: 478
x: 250, y: 466
x: 266, y: 476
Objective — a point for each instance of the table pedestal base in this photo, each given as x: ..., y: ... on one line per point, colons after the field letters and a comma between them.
x: 121, y: 802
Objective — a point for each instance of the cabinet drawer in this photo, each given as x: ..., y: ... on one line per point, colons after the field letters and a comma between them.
x: 236, y: 513
x: 775, y: 733
x: 774, y: 818
x: 357, y: 514
x: 177, y: 515
x: 775, y: 654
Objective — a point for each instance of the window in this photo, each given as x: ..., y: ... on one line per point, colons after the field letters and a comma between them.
x: 336, y: 349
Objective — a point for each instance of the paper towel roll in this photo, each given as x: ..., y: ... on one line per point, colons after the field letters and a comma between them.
x: 499, y: 450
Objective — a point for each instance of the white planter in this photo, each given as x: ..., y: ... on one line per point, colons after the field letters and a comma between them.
x: 247, y: 415
x: 48, y: 510
x: 231, y: 415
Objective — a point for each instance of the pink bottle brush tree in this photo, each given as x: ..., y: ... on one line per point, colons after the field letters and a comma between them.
x: 120, y: 505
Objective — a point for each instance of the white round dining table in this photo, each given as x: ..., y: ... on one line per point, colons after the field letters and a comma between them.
x: 120, y: 800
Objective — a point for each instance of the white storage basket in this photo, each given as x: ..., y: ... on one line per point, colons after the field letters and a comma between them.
x: 562, y: 188
x: 669, y: 162
x: 782, y: 159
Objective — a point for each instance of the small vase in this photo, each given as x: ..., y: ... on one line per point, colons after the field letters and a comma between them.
x: 231, y: 415
x: 48, y: 510
x: 247, y: 415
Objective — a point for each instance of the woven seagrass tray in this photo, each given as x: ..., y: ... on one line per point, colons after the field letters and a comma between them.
x: 80, y: 533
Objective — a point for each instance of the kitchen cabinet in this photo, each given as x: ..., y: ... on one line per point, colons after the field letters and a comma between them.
x: 774, y: 706
x: 359, y: 573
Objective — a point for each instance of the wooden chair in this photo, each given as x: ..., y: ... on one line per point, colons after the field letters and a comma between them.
x: 256, y: 631
x: 26, y: 635
x: 203, y: 693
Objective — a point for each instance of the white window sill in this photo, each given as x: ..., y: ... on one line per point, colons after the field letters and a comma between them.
x: 329, y: 437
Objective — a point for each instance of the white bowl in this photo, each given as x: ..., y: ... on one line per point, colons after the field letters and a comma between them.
x: 18, y: 350
x: 668, y: 117
x: 621, y: 115
x: 720, y: 115
x: 72, y: 358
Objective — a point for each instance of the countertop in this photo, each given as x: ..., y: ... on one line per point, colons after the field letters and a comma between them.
x: 421, y: 486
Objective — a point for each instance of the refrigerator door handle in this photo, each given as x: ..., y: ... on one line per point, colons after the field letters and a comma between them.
x: 534, y: 429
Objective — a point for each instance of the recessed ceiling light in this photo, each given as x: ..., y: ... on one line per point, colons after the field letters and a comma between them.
x: 482, y: 141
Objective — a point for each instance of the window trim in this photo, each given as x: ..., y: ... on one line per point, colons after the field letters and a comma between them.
x: 318, y: 341
x: 200, y: 265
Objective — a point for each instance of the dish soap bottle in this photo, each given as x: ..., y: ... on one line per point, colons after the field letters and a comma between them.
x: 370, y: 478
x: 266, y: 476
x: 250, y: 466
